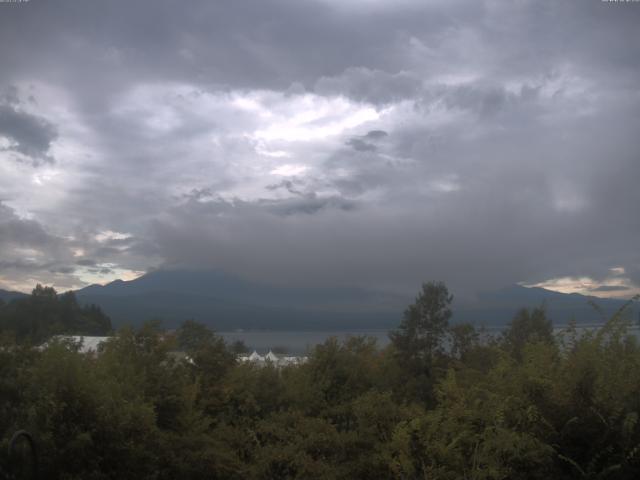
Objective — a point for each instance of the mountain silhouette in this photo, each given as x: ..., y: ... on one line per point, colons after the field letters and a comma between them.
x: 228, y: 302
x: 8, y: 295
x: 225, y: 301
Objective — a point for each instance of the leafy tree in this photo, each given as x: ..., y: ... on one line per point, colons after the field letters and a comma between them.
x: 418, y: 342
x: 421, y: 332
x: 44, y: 313
x: 464, y: 338
x: 528, y: 327
x: 344, y: 371
x: 193, y: 335
x: 239, y: 347
x: 529, y: 405
x: 210, y: 359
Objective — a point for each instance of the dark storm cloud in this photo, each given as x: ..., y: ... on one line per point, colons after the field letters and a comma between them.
x: 360, y: 145
x: 504, y: 149
x: 63, y: 269
x: 199, y: 194
x: 29, y: 135
x: 24, y: 266
x: 20, y: 231
x: 106, y: 252
x: 376, y: 134
x: 86, y: 262
x: 289, y: 185
x: 27, y: 249
x: 308, y: 205
x: 273, y: 44
x: 487, y: 99
x: 101, y: 271
x: 366, y: 143
x: 302, y: 203
x: 260, y: 44
x: 373, y: 86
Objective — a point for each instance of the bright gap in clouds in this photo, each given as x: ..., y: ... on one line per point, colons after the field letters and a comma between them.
x: 106, y: 235
x: 315, y: 118
x: 99, y: 274
x: 616, y: 284
x: 289, y: 170
x: 104, y: 273
x: 255, y: 131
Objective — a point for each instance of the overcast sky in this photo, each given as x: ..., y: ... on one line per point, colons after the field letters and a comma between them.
x: 326, y: 142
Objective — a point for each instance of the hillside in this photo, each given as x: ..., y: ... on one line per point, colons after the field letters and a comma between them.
x: 7, y: 295
x: 497, y: 307
x: 226, y: 302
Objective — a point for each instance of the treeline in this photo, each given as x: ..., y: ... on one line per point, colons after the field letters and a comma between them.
x: 440, y: 402
x: 44, y: 313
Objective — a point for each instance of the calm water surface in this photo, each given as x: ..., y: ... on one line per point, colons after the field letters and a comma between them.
x: 300, y: 342
x: 297, y: 342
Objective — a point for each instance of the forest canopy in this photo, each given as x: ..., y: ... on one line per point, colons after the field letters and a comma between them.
x: 441, y: 401
x: 44, y: 313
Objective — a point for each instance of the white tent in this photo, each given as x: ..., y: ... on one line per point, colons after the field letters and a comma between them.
x: 86, y: 344
x: 255, y: 357
x: 271, y: 357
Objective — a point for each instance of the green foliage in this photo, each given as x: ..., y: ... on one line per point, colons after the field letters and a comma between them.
x: 239, y: 347
x: 418, y: 341
x: 192, y: 336
x: 420, y: 334
x: 464, y: 340
x: 44, y: 313
x: 528, y: 405
x: 527, y: 327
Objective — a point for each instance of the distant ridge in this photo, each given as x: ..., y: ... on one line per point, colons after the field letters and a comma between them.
x: 8, y: 295
x: 227, y: 302
x: 500, y: 305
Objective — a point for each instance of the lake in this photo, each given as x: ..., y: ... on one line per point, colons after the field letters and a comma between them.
x: 300, y: 342
x: 296, y: 342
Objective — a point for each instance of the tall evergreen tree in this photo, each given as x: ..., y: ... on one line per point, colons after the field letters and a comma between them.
x: 419, y: 340
x: 421, y: 333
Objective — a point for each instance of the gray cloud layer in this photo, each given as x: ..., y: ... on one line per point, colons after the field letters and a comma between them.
x: 483, y: 143
x: 25, y: 133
